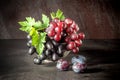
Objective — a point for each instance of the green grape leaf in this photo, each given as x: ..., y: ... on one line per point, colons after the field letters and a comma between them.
x: 53, y: 15
x: 41, y: 41
x: 31, y: 21
x: 35, y: 36
x: 43, y: 37
x: 40, y: 48
x: 37, y: 24
x: 58, y: 14
x: 23, y: 23
x: 32, y: 32
x: 45, y: 20
x: 62, y: 17
x: 24, y: 26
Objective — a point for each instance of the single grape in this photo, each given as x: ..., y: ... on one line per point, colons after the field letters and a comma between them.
x: 74, y: 36
x: 60, y: 48
x: 68, y: 22
x: 47, y: 52
x: 62, y: 65
x: 60, y: 24
x: 81, y: 35
x: 36, y: 60
x: 42, y: 56
x: 53, y: 25
x: 58, y: 30
x: 73, y: 24
x: 76, y: 28
x: 49, y: 45
x: 64, y: 26
x: 57, y: 37
x: 31, y: 50
x: 51, y: 33
x: 53, y: 50
x: 30, y: 41
x: 54, y: 57
x: 69, y: 30
x: 71, y: 45
x: 55, y: 43
x: 28, y: 37
x: 78, y: 42
x: 67, y: 39
x: 76, y: 50
x: 28, y: 44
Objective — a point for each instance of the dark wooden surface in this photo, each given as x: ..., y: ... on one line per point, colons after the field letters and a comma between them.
x: 103, y: 59
x: 98, y: 19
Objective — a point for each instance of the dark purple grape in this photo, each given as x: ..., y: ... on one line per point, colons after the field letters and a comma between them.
x: 28, y: 37
x: 29, y: 43
x: 60, y: 47
x: 55, y: 43
x: 31, y: 50
x: 37, y: 60
x: 60, y: 51
x: 42, y: 56
x: 49, y: 45
x: 47, y: 52
x: 54, y: 57
x: 53, y: 50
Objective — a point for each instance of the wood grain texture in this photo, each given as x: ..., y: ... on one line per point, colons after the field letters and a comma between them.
x: 98, y: 19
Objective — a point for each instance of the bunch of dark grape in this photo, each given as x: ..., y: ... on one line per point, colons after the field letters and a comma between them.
x: 61, y: 36
x: 53, y: 50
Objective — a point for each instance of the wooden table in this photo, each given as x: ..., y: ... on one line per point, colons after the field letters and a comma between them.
x: 103, y: 59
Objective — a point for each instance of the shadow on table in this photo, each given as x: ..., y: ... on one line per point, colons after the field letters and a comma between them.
x: 92, y: 70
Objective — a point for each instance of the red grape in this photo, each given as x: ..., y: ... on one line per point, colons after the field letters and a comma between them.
x: 69, y: 30
x: 76, y: 28
x: 64, y: 26
x: 76, y: 50
x: 57, y: 37
x: 56, y: 20
x: 73, y: 24
x: 68, y: 22
x: 74, y: 36
x: 71, y: 45
x: 51, y: 33
x: 53, y: 25
x: 81, y: 35
x: 58, y: 30
x: 78, y: 42
x: 67, y: 39
x: 60, y: 24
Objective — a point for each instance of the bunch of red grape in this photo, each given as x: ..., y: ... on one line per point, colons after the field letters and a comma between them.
x: 65, y: 31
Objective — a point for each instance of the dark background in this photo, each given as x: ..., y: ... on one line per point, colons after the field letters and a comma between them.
x: 98, y: 19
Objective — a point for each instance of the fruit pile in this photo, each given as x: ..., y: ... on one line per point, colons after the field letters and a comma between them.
x: 49, y: 40
x: 78, y: 64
